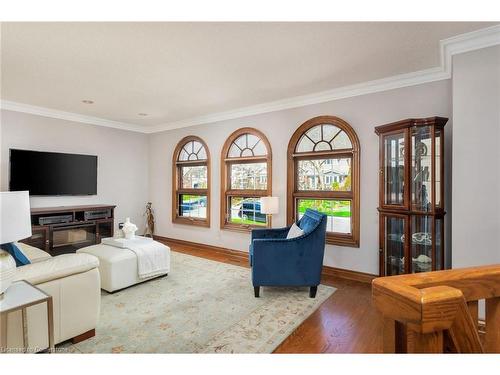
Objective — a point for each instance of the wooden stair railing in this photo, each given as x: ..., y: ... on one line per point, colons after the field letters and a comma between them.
x: 434, y: 312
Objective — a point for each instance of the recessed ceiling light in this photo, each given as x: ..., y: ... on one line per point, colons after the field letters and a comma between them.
x: 87, y: 101
x: 142, y: 114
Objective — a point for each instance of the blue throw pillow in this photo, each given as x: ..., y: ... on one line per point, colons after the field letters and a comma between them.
x: 307, y: 224
x: 17, y: 254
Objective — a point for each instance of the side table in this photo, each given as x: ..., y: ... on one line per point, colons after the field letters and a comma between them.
x: 21, y: 295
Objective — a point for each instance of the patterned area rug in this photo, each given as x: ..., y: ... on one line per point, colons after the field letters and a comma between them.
x: 202, y: 306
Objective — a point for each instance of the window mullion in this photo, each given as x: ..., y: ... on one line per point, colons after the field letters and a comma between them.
x: 193, y: 191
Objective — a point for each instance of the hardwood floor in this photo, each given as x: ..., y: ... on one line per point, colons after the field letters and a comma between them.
x: 345, y: 323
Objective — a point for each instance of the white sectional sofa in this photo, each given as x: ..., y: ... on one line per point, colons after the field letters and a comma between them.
x: 73, y: 281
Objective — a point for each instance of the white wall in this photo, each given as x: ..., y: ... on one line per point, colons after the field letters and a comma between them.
x: 363, y: 113
x: 122, y: 159
x: 476, y: 158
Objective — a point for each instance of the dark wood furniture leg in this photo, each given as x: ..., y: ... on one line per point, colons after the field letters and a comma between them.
x: 83, y: 336
x: 256, y: 290
x: 312, y: 291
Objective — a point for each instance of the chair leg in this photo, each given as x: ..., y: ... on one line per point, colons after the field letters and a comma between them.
x: 312, y: 291
x: 256, y: 290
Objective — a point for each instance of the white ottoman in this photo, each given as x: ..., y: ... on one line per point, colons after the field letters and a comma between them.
x: 117, y: 266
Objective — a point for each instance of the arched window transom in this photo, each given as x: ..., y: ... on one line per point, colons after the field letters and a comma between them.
x: 324, y: 137
x: 193, y: 150
x: 247, y: 145
x: 323, y: 157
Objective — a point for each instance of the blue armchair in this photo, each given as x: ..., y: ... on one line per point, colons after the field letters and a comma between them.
x: 278, y: 261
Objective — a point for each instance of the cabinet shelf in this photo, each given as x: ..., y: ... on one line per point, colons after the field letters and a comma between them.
x: 73, y: 243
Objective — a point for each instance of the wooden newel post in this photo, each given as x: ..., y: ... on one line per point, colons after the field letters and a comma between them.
x: 389, y: 335
x: 492, y: 340
x: 425, y: 342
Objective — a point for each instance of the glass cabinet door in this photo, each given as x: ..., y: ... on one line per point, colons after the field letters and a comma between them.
x: 421, y: 168
x: 421, y: 243
x: 394, y: 169
x: 394, y: 248
x: 68, y: 239
x: 104, y: 229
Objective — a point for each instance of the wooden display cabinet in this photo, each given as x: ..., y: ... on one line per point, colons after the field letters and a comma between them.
x: 411, y: 196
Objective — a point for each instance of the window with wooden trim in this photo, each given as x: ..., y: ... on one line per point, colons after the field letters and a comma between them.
x: 323, y: 174
x: 246, y: 176
x: 191, y: 182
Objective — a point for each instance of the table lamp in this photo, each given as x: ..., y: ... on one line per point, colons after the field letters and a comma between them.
x: 15, y: 225
x: 269, y: 206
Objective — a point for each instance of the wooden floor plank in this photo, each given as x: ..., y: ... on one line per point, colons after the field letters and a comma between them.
x: 345, y: 323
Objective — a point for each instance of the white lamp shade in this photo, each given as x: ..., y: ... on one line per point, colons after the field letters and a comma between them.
x: 269, y: 205
x: 15, y: 219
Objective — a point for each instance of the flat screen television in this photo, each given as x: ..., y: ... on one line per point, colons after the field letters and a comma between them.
x: 52, y: 173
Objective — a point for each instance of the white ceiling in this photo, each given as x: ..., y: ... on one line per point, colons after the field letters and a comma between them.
x: 178, y: 71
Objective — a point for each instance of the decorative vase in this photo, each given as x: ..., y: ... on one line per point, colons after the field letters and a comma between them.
x: 129, y: 229
x: 7, y: 271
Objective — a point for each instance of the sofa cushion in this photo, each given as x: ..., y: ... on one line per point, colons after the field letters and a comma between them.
x: 56, y: 268
x: 34, y: 254
x: 16, y: 253
x: 294, y: 232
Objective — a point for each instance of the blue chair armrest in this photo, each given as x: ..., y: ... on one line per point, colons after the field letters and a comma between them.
x: 287, y: 248
x: 270, y: 233
x: 286, y: 261
x: 269, y: 244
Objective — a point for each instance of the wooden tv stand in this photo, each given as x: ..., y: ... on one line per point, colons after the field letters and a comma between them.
x: 73, y: 227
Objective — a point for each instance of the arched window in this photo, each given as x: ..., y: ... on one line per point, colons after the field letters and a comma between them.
x: 323, y: 174
x: 246, y: 164
x: 191, y: 182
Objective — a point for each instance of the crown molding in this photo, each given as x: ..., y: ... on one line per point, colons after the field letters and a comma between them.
x: 462, y: 43
x: 482, y: 38
x: 69, y: 116
x: 449, y: 47
x: 370, y: 87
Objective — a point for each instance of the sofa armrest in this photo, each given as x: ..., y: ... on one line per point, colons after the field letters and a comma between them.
x: 56, y: 268
x: 34, y: 254
x: 270, y: 233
